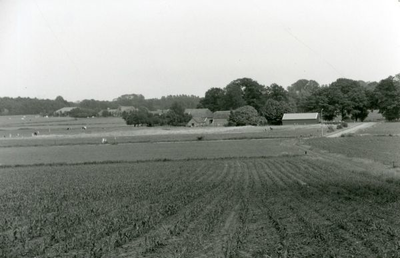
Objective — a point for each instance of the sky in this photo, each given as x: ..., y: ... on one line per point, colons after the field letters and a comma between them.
x: 101, y: 49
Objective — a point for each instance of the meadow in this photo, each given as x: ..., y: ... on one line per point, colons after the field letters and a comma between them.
x: 146, y: 151
x: 383, y: 129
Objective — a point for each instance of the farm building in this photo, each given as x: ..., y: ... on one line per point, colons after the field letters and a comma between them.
x: 122, y: 109
x: 220, y: 118
x: 200, y: 117
x: 118, y: 111
x: 63, y: 111
x: 300, y: 118
x: 159, y: 112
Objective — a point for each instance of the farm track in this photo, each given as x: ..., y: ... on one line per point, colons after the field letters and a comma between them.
x: 253, y: 207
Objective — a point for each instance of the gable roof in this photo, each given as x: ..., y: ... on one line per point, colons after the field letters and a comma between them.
x: 299, y: 116
x: 127, y: 108
x: 198, y: 120
x: 64, y: 109
x: 199, y: 112
x: 222, y: 114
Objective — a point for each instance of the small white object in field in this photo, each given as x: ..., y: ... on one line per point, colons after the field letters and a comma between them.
x: 84, y: 127
x: 104, y: 141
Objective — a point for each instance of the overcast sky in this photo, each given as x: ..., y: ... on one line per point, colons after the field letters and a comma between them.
x: 101, y: 49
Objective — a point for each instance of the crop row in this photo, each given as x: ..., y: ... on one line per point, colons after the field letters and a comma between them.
x: 286, y: 207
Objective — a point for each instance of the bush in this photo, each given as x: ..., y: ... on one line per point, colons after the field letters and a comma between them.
x: 331, y: 129
x: 345, y: 124
x: 339, y: 127
x: 246, y: 115
x: 347, y: 135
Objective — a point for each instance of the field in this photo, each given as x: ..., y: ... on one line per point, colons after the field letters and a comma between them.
x: 383, y: 129
x: 296, y: 207
x: 146, y: 151
x: 376, y: 148
x: 162, y: 192
x: 56, y: 131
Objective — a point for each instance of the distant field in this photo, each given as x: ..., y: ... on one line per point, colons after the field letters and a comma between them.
x: 384, y: 128
x: 276, y: 207
x: 68, y: 131
x: 20, y: 126
x: 147, y: 151
x: 382, y: 149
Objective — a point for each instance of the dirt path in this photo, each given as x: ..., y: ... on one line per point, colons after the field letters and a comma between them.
x: 352, y: 129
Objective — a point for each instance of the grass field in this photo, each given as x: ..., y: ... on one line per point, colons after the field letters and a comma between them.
x: 381, y: 149
x: 380, y: 129
x: 278, y: 207
x: 147, y: 151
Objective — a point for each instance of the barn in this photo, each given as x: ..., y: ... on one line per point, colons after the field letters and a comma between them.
x: 300, y: 118
x: 200, y: 117
x: 63, y: 111
x: 221, y: 118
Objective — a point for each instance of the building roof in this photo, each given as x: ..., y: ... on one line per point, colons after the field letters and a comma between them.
x: 159, y: 111
x: 198, y: 120
x: 299, y: 116
x: 222, y: 114
x: 127, y: 108
x: 64, y: 109
x: 199, y: 112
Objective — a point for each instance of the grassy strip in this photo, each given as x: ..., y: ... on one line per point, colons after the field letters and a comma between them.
x: 157, y: 141
x: 140, y: 161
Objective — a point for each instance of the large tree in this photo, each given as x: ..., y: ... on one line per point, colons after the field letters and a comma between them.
x: 213, y: 99
x: 350, y: 98
x: 388, y: 98
x: 233, y: 98
x: 276, y: 92
x: 273, y: 111
x: 300, y: 90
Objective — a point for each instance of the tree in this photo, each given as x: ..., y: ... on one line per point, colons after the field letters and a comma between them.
x: 233, y: 96
x: 388, y: 98
x: 213, y: 99
x: 300, y: 90
x: 277, y: 93
x: 350, y: 98
x: 246, y: 115
x: 176, y: 115
x: 273, y: 111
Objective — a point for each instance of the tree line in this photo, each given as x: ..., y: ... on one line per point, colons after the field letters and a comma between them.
x: 347, y: 98
x: 90, y: 107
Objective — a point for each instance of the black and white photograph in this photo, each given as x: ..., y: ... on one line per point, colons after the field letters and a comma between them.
x: 196, y: 129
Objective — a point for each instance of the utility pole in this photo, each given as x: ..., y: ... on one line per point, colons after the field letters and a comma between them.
x: 322, y: 126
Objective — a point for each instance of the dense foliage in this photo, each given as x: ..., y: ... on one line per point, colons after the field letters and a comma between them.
x: 345, y: 98
x: 246, y: 115
x: 175, y: 116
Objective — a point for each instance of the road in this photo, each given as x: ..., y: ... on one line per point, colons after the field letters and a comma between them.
x: 351, y: 130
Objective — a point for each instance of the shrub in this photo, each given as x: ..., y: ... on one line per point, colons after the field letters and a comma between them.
x: 339, y: 127
x: 347, y: 135
x: 246, y: 115
x: 331, y: 129
x: 345, y: 124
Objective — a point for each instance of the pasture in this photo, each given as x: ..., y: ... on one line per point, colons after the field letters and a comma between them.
x: 381, y: 149
x: 383, y: 129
